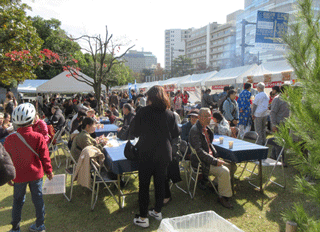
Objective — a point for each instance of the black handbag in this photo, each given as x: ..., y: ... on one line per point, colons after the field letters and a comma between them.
x: 131, y: 152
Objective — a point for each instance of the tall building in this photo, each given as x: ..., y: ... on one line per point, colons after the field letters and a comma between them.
x: 138, y: 61
x: 213, y: 46
x: 174, y: 45
x: 257, y: 53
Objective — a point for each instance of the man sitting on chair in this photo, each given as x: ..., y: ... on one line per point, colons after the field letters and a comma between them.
x: 200, y: 139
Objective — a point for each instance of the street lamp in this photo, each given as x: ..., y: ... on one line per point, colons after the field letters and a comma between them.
x: 172, y: 49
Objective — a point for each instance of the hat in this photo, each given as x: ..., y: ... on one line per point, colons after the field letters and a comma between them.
x: 194, y: 112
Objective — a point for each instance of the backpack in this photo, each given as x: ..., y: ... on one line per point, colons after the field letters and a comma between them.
x: 220, y: 103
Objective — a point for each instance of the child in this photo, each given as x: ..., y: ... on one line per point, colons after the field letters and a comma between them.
x: 30, y: 167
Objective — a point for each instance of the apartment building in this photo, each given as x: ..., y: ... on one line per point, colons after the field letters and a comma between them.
x: 139, y: 60
x: 174, y: 45
x: 213, y: 46
x: 266, y: 53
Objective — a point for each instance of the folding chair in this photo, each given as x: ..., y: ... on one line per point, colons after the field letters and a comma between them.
x: 269, y: 162
x: 183, y: 164
x: 101, y: 176
x: 69, y: 170
x: 251, y: 135
x: 53, y: 148
x: 194, y: 174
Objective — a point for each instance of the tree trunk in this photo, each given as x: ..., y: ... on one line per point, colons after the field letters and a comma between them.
x: 97, y: 90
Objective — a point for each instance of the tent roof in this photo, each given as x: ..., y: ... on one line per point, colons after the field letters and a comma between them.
x: 64, y: 84
x: 196, y: 79
x: 275, y: 70
x: 272, y: 67
x: 148, y: 84
x: 230, y: 75
x: 173, y: 80
x: 30, y: 86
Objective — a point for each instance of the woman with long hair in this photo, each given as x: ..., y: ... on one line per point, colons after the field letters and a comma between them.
x: 155, y: 126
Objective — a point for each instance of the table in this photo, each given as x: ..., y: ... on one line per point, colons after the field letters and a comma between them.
x: 107, y: 129
x: 104, y: 120
x: 118, y: 164
x: 242, y: 151
x: 116, y: 161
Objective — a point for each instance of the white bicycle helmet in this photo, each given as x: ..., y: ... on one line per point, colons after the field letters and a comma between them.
x: 23, y: 114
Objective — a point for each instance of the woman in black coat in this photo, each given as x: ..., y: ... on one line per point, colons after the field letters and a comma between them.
x: 155, y: 125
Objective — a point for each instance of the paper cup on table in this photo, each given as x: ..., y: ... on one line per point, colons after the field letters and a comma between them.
x: 221, y: 140
x: 230, y: 144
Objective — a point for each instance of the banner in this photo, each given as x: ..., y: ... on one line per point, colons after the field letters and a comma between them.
x: 169, y: 88
x: 192, y: 89
x: 270, y: 84
x: 215, y: 87
x: 286, y: 76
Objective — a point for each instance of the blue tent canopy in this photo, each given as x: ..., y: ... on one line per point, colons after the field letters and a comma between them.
x: 30, y: 86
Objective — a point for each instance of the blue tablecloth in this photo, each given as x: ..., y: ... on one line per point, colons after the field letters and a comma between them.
x: 107, y: 129
x: 104, y: 121
x: 116, y: 161
x: 242, y: 150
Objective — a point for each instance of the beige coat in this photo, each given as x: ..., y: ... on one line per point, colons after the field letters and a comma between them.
x: 82, y: 174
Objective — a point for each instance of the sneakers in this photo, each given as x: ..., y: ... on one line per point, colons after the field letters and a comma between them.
x: 157, y: 216
x: 12, y: 230
x: 34, y: 228
x: 139, y: 222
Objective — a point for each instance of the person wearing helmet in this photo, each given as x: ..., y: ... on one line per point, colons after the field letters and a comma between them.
x: 30, y: 167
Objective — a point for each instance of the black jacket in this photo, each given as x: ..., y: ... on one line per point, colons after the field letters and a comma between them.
x: 127, y: 119
x: 3, y: 133
x: 198, y: 141
x: 185, y: 131
x: 57, y: 120
x: 156, y: 129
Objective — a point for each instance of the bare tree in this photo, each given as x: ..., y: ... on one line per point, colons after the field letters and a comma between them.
x: 103, y: 53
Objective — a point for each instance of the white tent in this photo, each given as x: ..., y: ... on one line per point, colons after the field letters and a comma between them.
x: 193, y: 84
x: 231, y: 76
x: 147, y: 85
x: 30, y: 86
x: 196, y: 79
x: 172, y: 84
x: 63, y: 83
x: 271, y: 73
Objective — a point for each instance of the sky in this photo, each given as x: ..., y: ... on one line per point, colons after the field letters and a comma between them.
x: 141, y: 22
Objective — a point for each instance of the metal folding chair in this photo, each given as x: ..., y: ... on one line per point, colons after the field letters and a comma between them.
x: 251, y: 135
x: 53, y: 148
x: 194, y: 174
x: 183, y: 164
x: 269, y: 162
x: 69, y: 170
x: 101, y: 176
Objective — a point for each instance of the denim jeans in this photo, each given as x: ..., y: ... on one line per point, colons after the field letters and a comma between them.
x: 19, y: 196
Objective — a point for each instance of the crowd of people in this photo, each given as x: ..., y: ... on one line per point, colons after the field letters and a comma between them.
x: 155, y: 118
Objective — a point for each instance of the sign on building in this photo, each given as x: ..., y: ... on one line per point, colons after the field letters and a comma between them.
x: 271, y: 26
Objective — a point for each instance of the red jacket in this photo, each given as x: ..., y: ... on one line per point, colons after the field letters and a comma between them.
x: 42, y: 128
x: 28, y: 165
x: 185, y: 98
